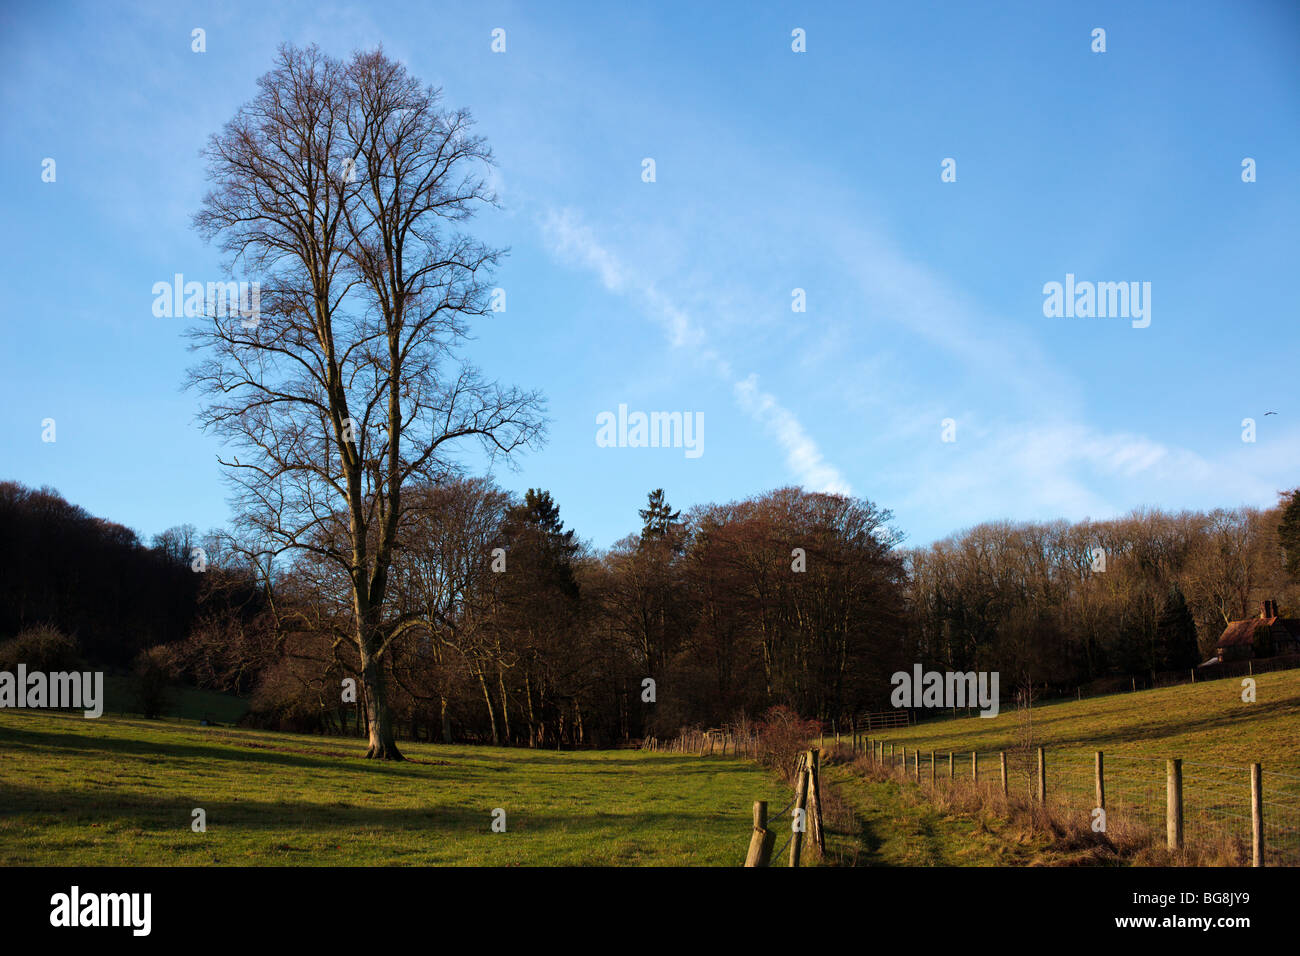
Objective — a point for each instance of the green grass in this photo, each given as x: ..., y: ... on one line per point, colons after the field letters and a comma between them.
x: 1207, y: 725
x: 896, y: 828
x: 1205, y: 722
x: 120, y: 791
x: 185, y: 703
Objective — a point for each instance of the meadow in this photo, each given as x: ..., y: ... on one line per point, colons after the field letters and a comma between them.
x: 121, y: 791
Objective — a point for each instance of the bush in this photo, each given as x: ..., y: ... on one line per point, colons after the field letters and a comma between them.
x: 782, y: 735
x: 152, y: 673
x: 41, y: 648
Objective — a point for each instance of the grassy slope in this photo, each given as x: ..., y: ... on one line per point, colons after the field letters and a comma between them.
x: 1207, y: 725
x: 1203, y: 722
x: 120, y: 791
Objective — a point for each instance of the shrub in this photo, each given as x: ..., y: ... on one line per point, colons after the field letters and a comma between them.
x: 782, y: 734
x: 152, y: 677
x: 41, y: 648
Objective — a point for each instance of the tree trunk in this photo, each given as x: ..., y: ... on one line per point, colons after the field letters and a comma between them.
x: 383, y: 745
x: 487, y: 699
x: 505, y: 706
x: 532, y: 722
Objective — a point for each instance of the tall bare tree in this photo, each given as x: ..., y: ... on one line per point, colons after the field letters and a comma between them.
x: 339, y: 188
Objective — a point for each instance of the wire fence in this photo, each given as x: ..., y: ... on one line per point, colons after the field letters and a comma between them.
x: 1186, y: 804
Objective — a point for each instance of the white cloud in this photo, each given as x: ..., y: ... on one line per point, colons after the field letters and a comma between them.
x: 572, y: 239
x: 802, y: 455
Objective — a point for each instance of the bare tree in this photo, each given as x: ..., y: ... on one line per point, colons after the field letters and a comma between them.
x: 339, y: 187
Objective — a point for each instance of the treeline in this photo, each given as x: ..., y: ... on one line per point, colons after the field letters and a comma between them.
x: 95, y: 582
x: 506, y: 627
x: 1068, y: 604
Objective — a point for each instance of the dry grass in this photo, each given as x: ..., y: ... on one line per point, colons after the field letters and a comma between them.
x: 1029, y: 834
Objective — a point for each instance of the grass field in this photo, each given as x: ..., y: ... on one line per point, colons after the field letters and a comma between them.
x: 1198, y: 722
x: 187, y: 703
x: 1208, y: 726
x: 120, y: 791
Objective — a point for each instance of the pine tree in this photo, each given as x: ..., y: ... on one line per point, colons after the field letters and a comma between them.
x: 658, y: 516
x: 1176, y: 638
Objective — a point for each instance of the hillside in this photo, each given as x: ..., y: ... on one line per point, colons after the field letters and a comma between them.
x: 1206, y: 722
x: 1208, y: 726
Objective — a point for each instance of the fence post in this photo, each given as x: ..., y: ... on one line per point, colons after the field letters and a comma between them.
x: 974, y: 768
x: 1101, y: 781
x: 815, y: 811
x: 1174, y: 804
x: 1003, y: 755
x: 951, y: 765
x: 916, y: 765
x: 932, y: 768
x: 1042, y: 777
x: 1256, y: 815
x: 762, y: 839
x: 800, y: 804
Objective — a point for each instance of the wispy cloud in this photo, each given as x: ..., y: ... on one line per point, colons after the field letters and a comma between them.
x: 570, y: 238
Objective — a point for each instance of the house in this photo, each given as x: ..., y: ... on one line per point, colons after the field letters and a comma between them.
x: 1268, y: 635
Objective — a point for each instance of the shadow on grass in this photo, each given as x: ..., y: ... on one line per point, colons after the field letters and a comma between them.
x: 169, y: 817
x: 467, y: 764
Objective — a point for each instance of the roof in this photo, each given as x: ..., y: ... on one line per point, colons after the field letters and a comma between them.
x: 1243, y: 632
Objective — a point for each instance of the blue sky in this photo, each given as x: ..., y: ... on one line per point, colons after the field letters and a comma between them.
x: 775, y: 170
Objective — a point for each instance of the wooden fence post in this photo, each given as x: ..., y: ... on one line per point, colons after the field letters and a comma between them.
x: 951, y: 766
x: 1256, y: 815
x: 1042, y: 777
x: 916, y: 765
x: 932, y: 768
x: 974, y: 768
x: 1174, y: 804
x: 800, y: 804
x: 762, y: 839
x: 815, y: 810
x: 1003, y: 761
x: 1101, y: 781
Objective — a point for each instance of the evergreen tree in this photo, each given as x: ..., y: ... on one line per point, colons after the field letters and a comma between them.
x: 1176, y: 639
x: 658, y: 516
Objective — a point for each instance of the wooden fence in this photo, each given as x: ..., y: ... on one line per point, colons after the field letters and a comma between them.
x: 805, y: 817
x: 1195, y: 804
x: 719, y: 741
